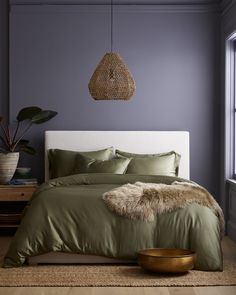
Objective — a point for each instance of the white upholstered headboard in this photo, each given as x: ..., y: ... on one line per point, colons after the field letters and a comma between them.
x: 130, y: 141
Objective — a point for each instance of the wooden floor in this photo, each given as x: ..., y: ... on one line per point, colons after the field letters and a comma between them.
x: 229, y: 249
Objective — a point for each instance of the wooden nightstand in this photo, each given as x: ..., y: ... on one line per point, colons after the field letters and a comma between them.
x: 13, y: 200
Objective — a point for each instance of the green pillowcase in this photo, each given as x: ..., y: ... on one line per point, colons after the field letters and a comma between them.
x: 62, y: 162
x: 152, y: 164
x: 87, y: 165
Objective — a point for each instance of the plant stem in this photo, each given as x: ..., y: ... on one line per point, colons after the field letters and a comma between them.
x: 6, y: 139
x: 9, y: 134
x: 16, y: 131
x: 3, y: 140
x: 22, y: 135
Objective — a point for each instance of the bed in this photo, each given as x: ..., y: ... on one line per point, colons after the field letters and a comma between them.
x: 97, y: 235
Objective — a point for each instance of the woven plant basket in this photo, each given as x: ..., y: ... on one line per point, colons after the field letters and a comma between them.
x: 8, y: 164
x: 111, y: 80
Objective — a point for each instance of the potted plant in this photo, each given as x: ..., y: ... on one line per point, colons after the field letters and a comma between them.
x: 12, y: 139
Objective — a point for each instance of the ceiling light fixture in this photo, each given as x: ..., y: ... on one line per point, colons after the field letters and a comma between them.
x: 111, y: 79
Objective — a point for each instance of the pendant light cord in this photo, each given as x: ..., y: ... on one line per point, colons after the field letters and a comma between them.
x: 111, y: 25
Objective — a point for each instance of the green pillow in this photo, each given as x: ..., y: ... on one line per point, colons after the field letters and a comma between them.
x: 87, y: 165
x: 62, y: 162
x: 157, y: 164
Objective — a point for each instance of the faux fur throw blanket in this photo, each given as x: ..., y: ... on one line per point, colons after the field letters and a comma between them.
x: 146, y: 200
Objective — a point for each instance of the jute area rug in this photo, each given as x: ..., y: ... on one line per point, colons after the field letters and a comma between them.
x: 110, y: 275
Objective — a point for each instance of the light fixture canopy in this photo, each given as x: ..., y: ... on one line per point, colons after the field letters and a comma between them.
x: 111, y: 79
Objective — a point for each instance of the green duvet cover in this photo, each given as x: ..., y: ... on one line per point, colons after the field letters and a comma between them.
x: 68, y: 214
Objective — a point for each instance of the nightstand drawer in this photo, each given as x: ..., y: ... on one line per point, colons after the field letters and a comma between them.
x: 13, y: 200
x: 11, y: 218
x: 19, y: 193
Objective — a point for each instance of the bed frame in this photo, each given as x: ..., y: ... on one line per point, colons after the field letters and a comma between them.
x: 130, y: 141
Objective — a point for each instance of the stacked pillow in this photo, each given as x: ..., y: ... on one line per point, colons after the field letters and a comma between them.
x: 63, y: 163
x: 88, y: 165
x: 152, y: 164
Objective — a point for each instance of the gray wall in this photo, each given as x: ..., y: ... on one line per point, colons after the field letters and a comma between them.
x: 4, y: 58
x: 172, y: 53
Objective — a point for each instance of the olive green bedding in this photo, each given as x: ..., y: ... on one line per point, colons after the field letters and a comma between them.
x: 68, y: 214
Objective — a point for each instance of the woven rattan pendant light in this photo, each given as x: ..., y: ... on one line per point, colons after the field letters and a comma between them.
x: 111, y: 79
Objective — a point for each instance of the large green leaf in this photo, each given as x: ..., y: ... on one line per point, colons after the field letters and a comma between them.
x: 43, y: 116
x: 28, y: 113
x: 28, y: 149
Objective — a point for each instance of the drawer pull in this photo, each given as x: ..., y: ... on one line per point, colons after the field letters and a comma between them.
x: 22, y: 194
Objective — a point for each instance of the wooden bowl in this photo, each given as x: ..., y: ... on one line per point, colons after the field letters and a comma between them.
x: 166, y: 260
